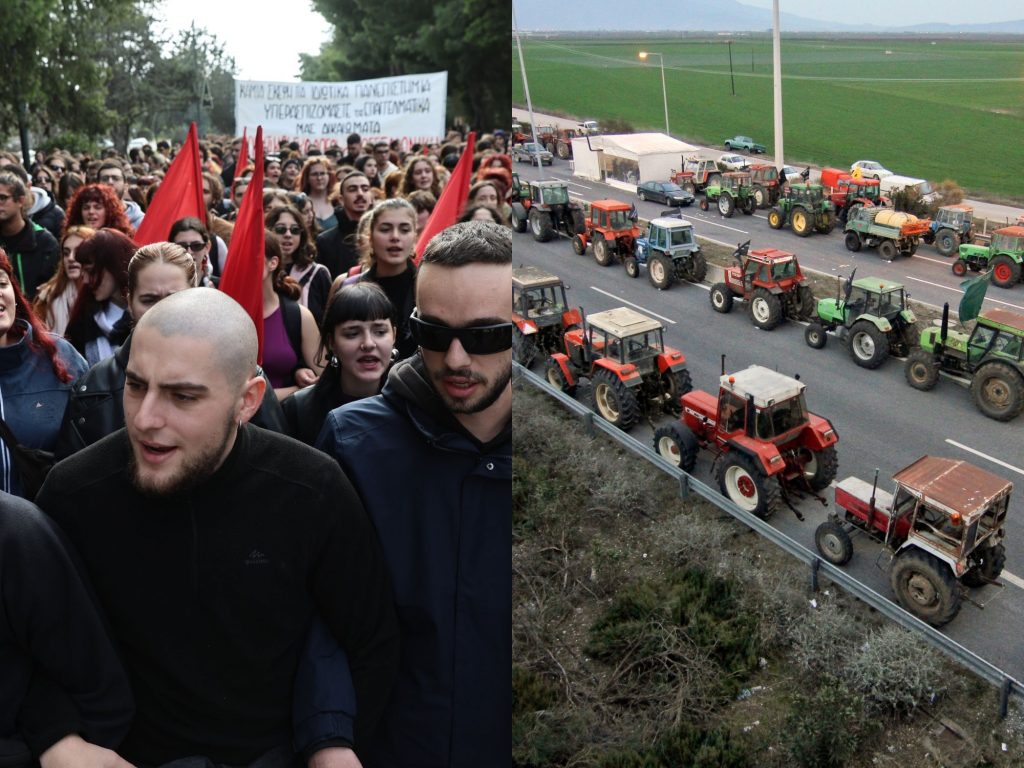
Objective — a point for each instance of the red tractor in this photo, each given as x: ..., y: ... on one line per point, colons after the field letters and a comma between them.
x: 540, y: 313
x: 942, y: 528
x: 765, y: 181
x: 611, y: 229
x: 770, y: 282
x: 765, y: 442
x: 848, y: 194
x: 624, y: 355
x: 697, y: 173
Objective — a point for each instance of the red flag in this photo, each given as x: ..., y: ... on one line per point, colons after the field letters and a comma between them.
x: 453, y: 198
x: 243, y: 275
x: 180, y: 194
x: 243, y: 154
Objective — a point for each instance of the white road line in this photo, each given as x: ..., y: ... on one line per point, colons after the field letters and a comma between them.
x: 957, y: 290
x: 576, y: 184
x: 723, y: 226
x: 1017, y: 581
x: 716, y: 242
x: 645, y: 309
x: 994, y: 460
x: 936, y: 261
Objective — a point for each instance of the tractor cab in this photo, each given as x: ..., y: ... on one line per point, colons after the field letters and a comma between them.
x: 538, y: 296
x: 866, y: 189
x: 876, y: 297
x: 767, y: 268
x: 549, y: 193
x: 736, y: 182
x: 520, y: 189
x: 809, y: 195
x: 626, y: 337
x: 670, y: 235
x: 956, y: 217
x: 612, y: 217
x: 1008, y: 240
x: 761, y: 403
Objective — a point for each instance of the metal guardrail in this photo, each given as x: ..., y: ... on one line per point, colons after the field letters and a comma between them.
x: 688, y: 484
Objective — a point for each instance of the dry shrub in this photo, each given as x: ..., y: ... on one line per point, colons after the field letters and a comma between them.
x: 822, y: 639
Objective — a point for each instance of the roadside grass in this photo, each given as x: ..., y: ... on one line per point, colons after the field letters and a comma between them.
x: 654, y: 632
x: 967, y: 128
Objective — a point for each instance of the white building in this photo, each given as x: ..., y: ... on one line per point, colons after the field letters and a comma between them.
x: 624, y: 160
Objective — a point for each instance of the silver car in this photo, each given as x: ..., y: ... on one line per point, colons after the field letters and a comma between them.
x: 530, y: 151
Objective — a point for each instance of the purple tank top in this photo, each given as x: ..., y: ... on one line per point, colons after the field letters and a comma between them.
x: 279, y: 359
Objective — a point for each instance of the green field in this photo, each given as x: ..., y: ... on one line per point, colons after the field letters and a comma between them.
x: 948, y: 110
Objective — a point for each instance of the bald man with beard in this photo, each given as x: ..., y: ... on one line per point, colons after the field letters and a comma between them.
x: 212, y: 544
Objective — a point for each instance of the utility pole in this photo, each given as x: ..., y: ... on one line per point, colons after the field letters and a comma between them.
x: 732, y: 78
x: 526, y: 85
x: 780, y: 157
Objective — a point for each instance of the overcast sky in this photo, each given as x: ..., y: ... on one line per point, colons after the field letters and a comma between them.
x: 901, y: 13
x: 265, y: 38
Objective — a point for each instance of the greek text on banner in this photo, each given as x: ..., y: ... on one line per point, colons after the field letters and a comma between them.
x: 410, y: 108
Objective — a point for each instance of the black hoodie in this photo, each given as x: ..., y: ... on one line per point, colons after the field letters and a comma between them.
x: 34, y: 254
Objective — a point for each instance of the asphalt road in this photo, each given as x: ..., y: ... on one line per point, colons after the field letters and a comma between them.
x: 881, y: 421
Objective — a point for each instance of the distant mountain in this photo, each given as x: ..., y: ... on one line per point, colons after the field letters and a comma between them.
x: 718, y: 16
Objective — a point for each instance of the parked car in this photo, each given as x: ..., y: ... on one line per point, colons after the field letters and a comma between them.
x: 664, y: 192
x: 869, y: 169
x: 732, y: 162
x: 530, y: 151
x: 744, y: 142
x: 590, y: 126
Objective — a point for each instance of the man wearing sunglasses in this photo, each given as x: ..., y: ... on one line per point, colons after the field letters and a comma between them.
x: 112, y: 174
x: 431, y: 457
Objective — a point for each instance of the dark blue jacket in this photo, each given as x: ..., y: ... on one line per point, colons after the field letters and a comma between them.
x: 442, y: 506
x: 32, y: 398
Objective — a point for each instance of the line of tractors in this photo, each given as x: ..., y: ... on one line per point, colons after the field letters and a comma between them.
x: 942, y: 527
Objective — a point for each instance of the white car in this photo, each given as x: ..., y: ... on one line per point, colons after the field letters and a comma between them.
x: 869, y: 169
x: 732, y: 162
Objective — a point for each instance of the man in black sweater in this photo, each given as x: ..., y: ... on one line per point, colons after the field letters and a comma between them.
x: 212, y: 544
x: 33, y: 251
x: 336, y: 248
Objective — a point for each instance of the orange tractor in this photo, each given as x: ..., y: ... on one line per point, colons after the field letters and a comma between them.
x: 697, y: 174
x: 540, y: 313
x: 610, y: 228
x: 765, y: 442
x: 770, y: 282
x: 624, y: 355
x: 764, y: 179
x: 848, y: 194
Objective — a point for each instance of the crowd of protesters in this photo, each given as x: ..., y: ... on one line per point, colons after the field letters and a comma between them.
x: 397, y: 649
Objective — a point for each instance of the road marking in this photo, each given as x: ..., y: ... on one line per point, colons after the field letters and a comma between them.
x: 575, y: 184
x: 1017, y: 581
x: 994, y: 460
x: 723, y: 226
x: 929, y: 258
x: 643, y: 309
x: 957, y: 290
x: 716, y: 242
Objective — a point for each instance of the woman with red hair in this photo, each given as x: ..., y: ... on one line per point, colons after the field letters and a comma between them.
x: 36, y: 371
x: 97, y: 206
x: 99, y: 322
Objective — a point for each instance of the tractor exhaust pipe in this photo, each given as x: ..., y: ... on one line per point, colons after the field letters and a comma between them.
x: 723, y: 365
x: 871, y: 504
x: 945, y: 323
x: 750, y: 415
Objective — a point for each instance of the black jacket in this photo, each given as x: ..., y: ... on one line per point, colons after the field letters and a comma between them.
x: 336, y: 248
x: 306, y: 410
x: 210, y: 591
x: 59, y: 666
x: 96, y: 406
x: 34, y: 254
x: 50, y: 216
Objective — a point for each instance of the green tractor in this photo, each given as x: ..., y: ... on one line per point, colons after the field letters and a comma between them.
x: 1003, y: 256
x: 872, y: 318
x: 548, y: 212
x: 735, y: 190
x: 806, y: 208
x: 990, y: 359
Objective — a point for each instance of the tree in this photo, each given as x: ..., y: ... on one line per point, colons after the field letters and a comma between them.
x: 468, y: 38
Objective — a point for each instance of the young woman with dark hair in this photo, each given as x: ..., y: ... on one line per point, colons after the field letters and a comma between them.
x: 298, y: 251
x: 57, y: 295
x: 36, y: 371
x: 192, y: 235
x: 99, y: 321
x: 358, y: 335
x: 290, y: 355
x: 420, y: 174
x: 97, y: 206
x: 317, y: 180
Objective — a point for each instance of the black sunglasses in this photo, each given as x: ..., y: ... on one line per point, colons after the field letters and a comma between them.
x: 280, y: 229
x: 476, y: 340
x: 195, y: 246
x: 57, y: 168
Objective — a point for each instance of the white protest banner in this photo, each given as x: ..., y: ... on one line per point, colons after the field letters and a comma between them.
x: 410, y: 108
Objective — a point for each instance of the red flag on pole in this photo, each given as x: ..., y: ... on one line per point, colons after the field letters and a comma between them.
x: 180, y: 194
x: 453, y: 198
x: 243, y: 275
x: 243, y: 154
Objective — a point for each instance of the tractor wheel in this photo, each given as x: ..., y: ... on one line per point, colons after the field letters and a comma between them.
x: 998, y: 391
x: 947, y: 242
x: 747, y: 486
x: 959, y: 267
x: 921, y: 371
x: 660, y: 272
x: 760, y: 196
x: 824, y: 222
x: 696, y: 268
x: 563, y: 150
x: 721, y: 298
x: 675, y: 384
x: 632, y: 268
x: 602, y: 251
x: 869, y: 347
x: 888, y: 250
x: 704, y: 203
x: 614, y: 401
x: 802, y: 222
x: 833, y: 543
x: 925, y: 586
x: 677, y: 445
x: 555, y: 377
x: 540, y: 225
x: 775, y: 218
x: 1005, y: 271
x: 815, y: 336
x: 765, y: 309
x: 726, y: 205
x: 714, y: 180
x: 518, y: 223
x: 749, y: 206
x: 579, y: 221
x: 550, y: 147
x: 821, y: 467
x: 990, y: 563
x: 579, y: 245
x: 524, y: 348
x: 804, y: 303
x: 852, y: 241
x: 914, y: 243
